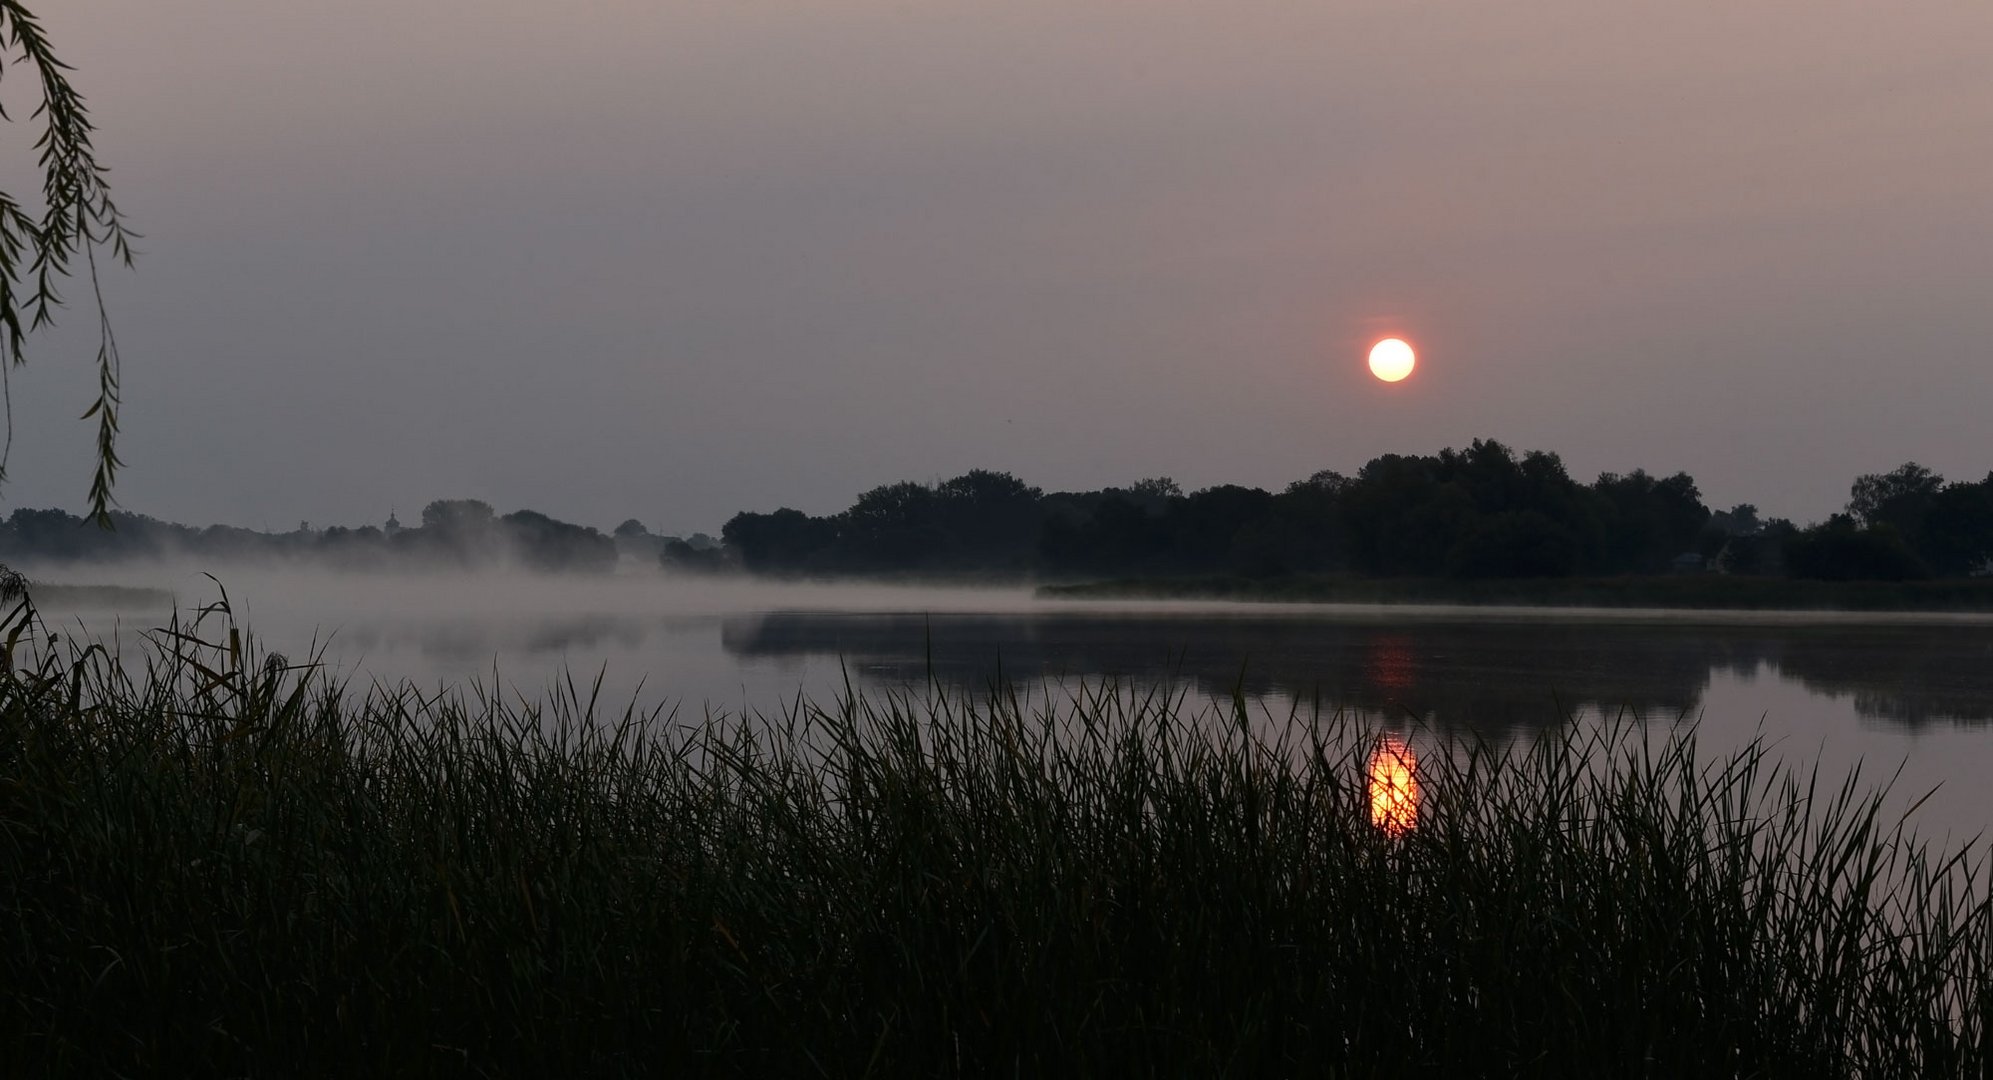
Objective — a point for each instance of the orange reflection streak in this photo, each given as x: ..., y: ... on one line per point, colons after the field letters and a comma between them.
x: 1391, y: 664
x: 1394, y: 786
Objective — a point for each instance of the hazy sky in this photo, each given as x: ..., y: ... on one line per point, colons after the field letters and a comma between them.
x: 615, y: 258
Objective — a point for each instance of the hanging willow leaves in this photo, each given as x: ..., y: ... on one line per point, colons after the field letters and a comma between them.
x: 37, y: 254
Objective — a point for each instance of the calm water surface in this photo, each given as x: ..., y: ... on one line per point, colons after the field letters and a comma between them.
x: 1914, y: 693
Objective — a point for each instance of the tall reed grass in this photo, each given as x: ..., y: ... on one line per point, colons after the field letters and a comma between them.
x: 226, y: 864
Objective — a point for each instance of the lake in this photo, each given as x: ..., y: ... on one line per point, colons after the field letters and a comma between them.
x: 1882, y: 691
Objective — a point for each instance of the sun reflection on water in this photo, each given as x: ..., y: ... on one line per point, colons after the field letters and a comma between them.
x: 1394, y: 786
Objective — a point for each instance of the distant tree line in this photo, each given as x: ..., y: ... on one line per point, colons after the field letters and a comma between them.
x: 452, y: 533
x: 1480, y: 512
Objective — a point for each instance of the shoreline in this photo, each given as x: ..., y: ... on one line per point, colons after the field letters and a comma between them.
x: 1728, y: 599
x: 1710, y: 598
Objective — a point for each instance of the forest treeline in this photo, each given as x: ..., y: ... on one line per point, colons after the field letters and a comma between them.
x: 1484, y: 511
x: 452, y: 533
x: 1480, y: 512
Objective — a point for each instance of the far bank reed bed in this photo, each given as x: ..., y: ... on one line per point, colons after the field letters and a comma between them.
x: 232, y: 866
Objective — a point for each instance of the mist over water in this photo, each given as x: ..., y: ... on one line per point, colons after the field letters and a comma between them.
x: 653, y: 638
x: 1838, y: 689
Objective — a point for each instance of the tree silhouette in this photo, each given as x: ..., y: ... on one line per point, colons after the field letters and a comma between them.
x: 1648, y: 521
x: 77, y: 218
x: 1956, y: 535
x: 457, y: 515
x: 1841, y: 550
x: 1899, y: 499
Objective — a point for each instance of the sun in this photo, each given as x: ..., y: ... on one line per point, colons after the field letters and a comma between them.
x: 1391, y: 359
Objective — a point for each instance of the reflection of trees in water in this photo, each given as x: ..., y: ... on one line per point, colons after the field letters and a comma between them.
x: 1905, y: 675
x: 1488, y: 676
x: 461, y: 641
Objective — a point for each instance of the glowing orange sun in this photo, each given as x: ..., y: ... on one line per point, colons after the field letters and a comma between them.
x: 1391, y: 359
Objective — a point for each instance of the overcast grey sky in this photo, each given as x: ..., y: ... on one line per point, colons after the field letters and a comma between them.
x: 615, y: 258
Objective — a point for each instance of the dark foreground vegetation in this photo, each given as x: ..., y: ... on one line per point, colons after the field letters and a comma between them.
x: 230, y: 867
